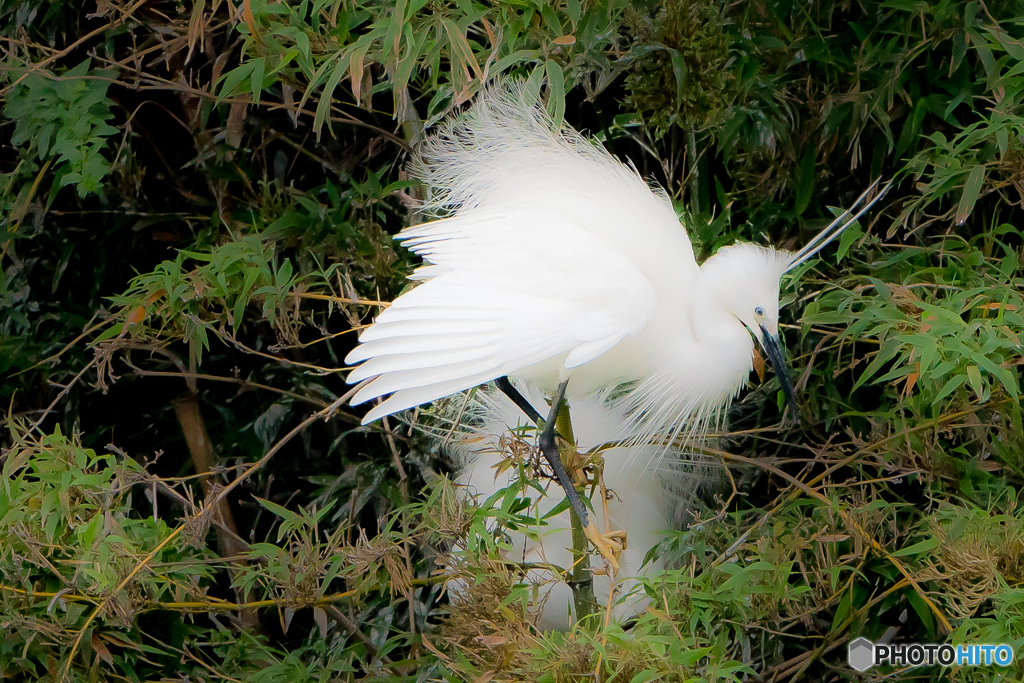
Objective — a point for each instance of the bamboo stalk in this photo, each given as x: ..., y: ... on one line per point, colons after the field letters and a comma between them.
x: 581, y: 579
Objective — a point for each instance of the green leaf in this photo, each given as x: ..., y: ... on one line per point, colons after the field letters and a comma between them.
x: 1005, y: 376
x: 846, y: 240
x: 392, y: 39
x: 681, y: 73
x: 531, y: 91
x: 558, y: 509
x: 972, y: 189
x: 805, y: 186
x: 575, y: 9
x: 258, y: 69
x: 924, y: 613
x: 284, y: 274
x: 88, y: 533
x: 985, y: 55
x: 978, y: 385
x: 110, y: 332
x: 556, y: 92
x: 959, y: 51
x: 233, y: 78
x: 949, y: 387
x: 324, y: 105
x: 889, y: 348
x: 280, y: 511
x: 645, y: 676
x: 842, y: 609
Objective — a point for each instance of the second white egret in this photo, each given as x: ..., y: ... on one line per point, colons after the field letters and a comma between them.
x: 644, y: 499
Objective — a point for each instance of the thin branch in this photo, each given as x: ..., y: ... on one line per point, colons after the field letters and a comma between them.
x: 208, y: 507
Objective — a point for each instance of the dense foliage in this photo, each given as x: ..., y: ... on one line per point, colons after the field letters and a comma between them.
x: 197, y: 201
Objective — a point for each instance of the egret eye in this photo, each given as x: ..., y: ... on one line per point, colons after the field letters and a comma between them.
x: 759, y: 312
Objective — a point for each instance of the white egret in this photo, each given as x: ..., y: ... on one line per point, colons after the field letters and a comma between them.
x: 646, y: 501
x: 560, y: 266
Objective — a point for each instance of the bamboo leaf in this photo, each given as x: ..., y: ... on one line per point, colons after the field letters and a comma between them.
x: 972, y: 188
x: 977, y: 383
x: 233, y: 79
x: 324, y: 105
x: 681, y: 73
x: 805, y: 185
x: 259, y: 67
x: 556, y: 92
x: 393, y: 37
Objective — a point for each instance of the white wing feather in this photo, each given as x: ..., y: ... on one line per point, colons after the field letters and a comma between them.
x: 501, y: 305
x: 544, y: 257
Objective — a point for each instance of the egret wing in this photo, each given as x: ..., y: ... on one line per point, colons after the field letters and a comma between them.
x: 556, y: 249
x: 503, y: 289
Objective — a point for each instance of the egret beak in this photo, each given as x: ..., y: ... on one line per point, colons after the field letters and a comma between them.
x: 772, y: 349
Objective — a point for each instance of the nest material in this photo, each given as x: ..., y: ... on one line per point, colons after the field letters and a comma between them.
x: 973, y: 559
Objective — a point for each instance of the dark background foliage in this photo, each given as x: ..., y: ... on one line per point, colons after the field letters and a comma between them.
x: 197, y: 203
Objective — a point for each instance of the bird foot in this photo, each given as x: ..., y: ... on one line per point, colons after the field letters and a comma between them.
x: 610, y: 545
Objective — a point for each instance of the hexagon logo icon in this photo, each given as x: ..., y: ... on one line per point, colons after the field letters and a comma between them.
x: 861, y: 654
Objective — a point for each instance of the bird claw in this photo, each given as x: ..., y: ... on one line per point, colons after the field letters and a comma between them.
x: 610, y: 545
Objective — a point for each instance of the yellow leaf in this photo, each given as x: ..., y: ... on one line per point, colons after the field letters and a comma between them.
x: 491, y: 641
x: 250, y: 20
x: 759, y: 363
x: 995, y: 306
x: 136, y: 316
x: 911, y: 381
x: 832, y: 538
x: 101, y: 649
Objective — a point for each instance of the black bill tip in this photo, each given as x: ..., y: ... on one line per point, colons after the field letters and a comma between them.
x: 773, y: 350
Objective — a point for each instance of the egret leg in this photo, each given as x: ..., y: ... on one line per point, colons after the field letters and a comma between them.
x: 609, y: 546
x: 517, y: 398
x: 549, y: 447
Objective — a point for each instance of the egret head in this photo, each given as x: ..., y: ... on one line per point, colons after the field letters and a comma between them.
x: 746, y: 285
